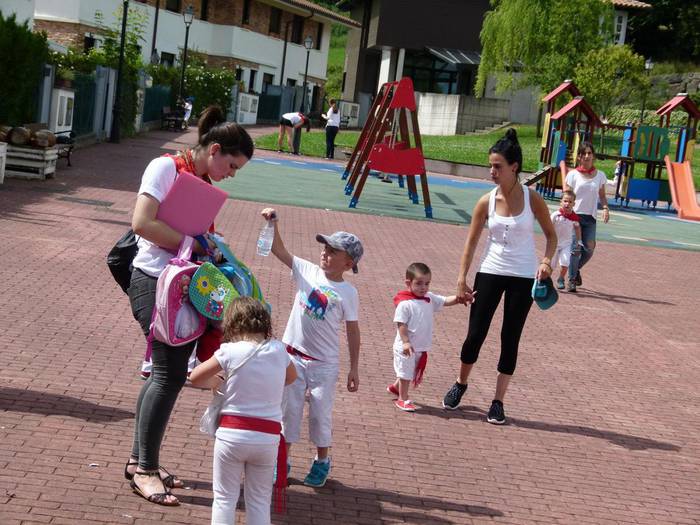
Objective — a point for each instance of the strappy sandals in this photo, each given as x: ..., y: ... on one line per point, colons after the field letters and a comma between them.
x: 170, y: 481
x: 159, y: 498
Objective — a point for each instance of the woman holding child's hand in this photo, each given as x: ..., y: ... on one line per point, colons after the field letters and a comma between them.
x: 508, y: 267
x: 222, y: 149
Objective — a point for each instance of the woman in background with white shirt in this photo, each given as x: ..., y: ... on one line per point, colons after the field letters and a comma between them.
x: 588, y: 183
x: 251, y: 371
x: 332, y: 126
x: 508, y: 267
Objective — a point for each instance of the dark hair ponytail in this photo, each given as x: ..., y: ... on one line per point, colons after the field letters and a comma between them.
x: 232, y: 138
x: 509, y: 148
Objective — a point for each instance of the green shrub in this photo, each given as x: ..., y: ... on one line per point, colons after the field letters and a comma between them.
x: 22, y: 56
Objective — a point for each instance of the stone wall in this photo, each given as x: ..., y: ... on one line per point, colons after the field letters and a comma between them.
x: 479, y: 113
x: 680, y: 82
x: 65, y: 33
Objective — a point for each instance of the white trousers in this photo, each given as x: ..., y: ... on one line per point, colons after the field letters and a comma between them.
x: 320, y: 380
x: 231, y: 460
x: 562, y: 255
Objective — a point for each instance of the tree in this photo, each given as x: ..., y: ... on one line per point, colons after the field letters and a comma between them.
x: 22, y: 55
x: 539, y: 42
x: 670, y: 30
x: 610, y: 75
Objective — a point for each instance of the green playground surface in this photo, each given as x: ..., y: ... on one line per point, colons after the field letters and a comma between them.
x: 311, y: 184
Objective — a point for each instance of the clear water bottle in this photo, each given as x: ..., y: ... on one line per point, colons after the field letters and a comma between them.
x: 267, y: 235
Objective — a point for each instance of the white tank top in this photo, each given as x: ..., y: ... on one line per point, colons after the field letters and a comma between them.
x: 510, y: 247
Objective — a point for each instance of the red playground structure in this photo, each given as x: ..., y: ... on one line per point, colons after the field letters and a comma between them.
x: 385, y: 144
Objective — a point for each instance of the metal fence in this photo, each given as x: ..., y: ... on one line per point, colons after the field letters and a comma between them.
x: 156, y: 98
x: 84, y: 112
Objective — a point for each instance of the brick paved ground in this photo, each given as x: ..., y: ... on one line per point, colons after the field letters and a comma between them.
x: 603, y: 408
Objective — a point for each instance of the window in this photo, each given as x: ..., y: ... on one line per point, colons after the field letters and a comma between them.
x: 88, y: 42
x: 291, y: 82
x: 204, y: 11
x: 319, y: 36
x: 297, y: 29
x: 251, y: 84
x: 620, y: 28
x: 268, y: 80
x: 246, y: 12
x: 275, y: 20
x: 172, y: 5
x: 167, y: 59
x: 239, y: 73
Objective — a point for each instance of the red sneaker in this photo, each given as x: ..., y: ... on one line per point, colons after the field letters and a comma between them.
x: 406, y: 406
x: 393, y: 390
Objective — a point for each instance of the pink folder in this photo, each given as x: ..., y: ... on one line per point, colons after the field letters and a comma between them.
x: 191, y: 205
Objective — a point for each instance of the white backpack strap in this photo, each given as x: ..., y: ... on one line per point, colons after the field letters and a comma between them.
x: 247, y: 358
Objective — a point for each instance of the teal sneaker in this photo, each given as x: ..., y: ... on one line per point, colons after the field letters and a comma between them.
x: 560, y: 283
x: 318, y: 474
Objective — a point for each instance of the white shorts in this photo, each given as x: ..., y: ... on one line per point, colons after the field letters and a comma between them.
x: 562, y: 256
x: 320, y: 380
x: 405, y: 365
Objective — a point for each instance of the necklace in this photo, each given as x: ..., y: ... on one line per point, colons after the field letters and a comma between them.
x: 510, y: 190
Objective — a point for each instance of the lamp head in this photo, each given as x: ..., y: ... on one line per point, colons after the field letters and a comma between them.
x: 308, y: 43
x: 188, y: 15
x: 648, y: 64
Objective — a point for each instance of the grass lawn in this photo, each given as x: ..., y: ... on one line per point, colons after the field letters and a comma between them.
x: 467, y: 149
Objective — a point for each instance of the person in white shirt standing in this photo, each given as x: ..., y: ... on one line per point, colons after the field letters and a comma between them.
x: 588, y: 183
x: 332, y: 119
x: 324, y: 299
x: 567, y: 227
x: 508, y: 268
x: 415, y: 307
x: 250, y: 370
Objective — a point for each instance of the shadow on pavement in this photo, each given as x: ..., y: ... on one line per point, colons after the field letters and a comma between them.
x: 371, y: 502
x: 623, y: 299
x: 630, y: 442
x: 49, y: 404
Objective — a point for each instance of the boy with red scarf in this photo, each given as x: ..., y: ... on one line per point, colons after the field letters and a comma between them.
x: 415, y: 307
x: 566, y: 225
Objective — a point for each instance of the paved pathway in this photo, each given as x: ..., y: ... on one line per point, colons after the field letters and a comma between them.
x: 603, y: 409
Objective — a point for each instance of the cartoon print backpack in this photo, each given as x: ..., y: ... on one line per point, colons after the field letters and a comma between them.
x: 211, y: 292
x: 170, y: 299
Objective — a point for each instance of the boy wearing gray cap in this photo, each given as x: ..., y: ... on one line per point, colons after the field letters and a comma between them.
x: 323, y: 300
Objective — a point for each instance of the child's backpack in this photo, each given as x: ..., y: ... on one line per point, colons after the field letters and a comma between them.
x: 238, y: 273
x: 170, y: 299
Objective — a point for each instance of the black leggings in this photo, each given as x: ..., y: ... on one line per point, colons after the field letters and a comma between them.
x: 160, y: 391
x: 518, y: 300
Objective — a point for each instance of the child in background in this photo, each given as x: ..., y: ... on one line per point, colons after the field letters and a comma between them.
x: 415, y: 307
x: 250, y: 370
x: 566, y: 226
x: 323, y: 300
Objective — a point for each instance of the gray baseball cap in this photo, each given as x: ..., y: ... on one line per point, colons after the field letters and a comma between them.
x: 345, y: 241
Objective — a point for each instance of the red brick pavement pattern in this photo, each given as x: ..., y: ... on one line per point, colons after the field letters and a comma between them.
x: 603, y: 407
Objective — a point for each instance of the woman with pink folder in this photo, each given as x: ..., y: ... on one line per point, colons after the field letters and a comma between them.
x: 222, y: 149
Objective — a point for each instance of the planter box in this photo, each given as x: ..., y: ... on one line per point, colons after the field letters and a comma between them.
x: 3, y: 154
x: 30, y: 163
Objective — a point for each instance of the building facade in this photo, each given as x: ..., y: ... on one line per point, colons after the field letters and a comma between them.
x: 261, y: 40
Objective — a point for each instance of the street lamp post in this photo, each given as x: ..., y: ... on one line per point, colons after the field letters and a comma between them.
x: 648, y: 66
x: 116, y: 109
x: 188, y: 16
x: 308, y: 44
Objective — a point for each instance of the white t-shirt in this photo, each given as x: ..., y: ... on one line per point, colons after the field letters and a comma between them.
x: 333, y: 118
x: 320, y: 305
x: 157, y: 180
x: 418, y: 316
x: 586, y: 190
x: 294, y: 118
x: 255, y: 389
x: 564, y: 228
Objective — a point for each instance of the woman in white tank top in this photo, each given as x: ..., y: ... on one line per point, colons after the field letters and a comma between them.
x: 508, y: 267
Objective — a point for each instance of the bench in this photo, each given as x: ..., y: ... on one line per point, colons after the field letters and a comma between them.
x: 174, y: 120
x: 65, y: 142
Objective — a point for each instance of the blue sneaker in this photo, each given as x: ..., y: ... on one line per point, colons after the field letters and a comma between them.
x: 318, y: 474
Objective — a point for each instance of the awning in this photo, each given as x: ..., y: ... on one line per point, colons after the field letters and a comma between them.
x: 456, y: 57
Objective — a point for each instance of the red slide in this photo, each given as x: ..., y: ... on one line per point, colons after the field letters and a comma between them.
x: 680, y: 179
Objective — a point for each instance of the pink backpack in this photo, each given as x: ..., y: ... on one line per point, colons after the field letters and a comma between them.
x: 169, y: 299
